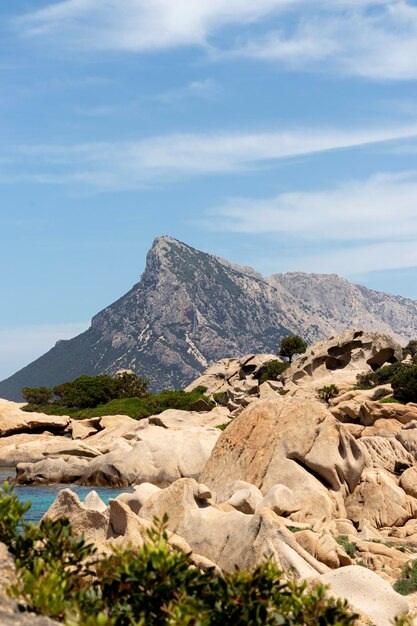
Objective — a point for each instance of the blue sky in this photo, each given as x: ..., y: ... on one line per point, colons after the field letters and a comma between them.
x: 280, y: 134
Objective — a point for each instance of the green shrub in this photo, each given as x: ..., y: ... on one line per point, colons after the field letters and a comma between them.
x: 382, y: 376
x: 221, y: 398
x: 37, y: 395
x: 328, y: 392
x: 153, y: 585
x: 389, y: 400
x: 404, y: 384
x: 272, y: 370
x: 408, y: 582
x: 349, y: 547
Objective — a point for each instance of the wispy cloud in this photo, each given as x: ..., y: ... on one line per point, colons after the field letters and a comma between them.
x: 361, y: 226
x: 21, y: 345
x: 370, y: 38
x: 129, y: 165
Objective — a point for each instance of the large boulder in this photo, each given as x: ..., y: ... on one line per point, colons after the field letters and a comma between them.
x: 230, y: 539
x: 29, y: 448
x: 227, y: 373
x: 157, y: 455
x: 13, y: 420
x: 379, y: 501
x: 367, y: 592
x: 350, y: 352
x: 293, y: 442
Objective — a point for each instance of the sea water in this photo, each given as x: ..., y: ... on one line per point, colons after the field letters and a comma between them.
x: 42, y: 496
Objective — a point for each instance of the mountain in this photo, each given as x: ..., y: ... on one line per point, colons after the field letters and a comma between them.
x: 191, y: 308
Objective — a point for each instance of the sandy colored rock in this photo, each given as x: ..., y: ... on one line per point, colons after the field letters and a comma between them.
x: 386, y: 453
x: 408, y: 481
x: 139, y: 497
x: 367, y: 412
x: 14, y: 420
x: 93, y: 502
x: 29, y: 448
x: 230, y: 539
x: 352, y: 351
x: 245, y: 500
x: 407, y: 436
x: 173, y: 418
x: 281, y: 500
x: 291, y: 442
x: 378, y: 500
x: 323, y: 547
x: 50, y: 471
x: 367, y: 592
x: 94, y: 525
x: 158, y: 455
x: 81, y: 429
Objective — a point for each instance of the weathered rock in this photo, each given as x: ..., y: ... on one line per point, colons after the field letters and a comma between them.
x: 230, y: 539
x: 323, y: 547
x: 245, y: 500
x: 407, y: 436
x: 293, y: 442
x: 158, y: 455
x: 408, y: 481
x: 13, y: 420
x: 81, y: 429
x: 60, y: 470
x: 139, y: 497
x: 281, y: 500
x: 173, y: 418
x: 27, y: 448
x: 351, y: 351
x: 367, y: 412
x: 93, y: 502
x: 378, y: 500
x: 386, y: 453
x: 367, y: 592
x: 94, y: 525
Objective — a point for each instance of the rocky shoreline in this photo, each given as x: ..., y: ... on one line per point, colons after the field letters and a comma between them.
x: 327, y: 491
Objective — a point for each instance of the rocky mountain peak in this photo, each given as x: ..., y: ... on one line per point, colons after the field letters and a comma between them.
x: 190, y: 309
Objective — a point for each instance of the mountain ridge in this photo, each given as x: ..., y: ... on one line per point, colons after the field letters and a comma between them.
x: 190, y: 308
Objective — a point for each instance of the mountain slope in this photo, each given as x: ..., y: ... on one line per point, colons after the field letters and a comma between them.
x: 191, y: 308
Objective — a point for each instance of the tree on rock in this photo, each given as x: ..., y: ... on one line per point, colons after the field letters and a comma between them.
x: 290, y: 346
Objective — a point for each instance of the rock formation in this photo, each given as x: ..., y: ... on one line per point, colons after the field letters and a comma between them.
x: 190, y: 309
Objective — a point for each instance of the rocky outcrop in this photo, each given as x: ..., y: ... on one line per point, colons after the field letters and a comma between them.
x: 14, y: 421
x: 297, y: 443
x: 352, y: 351
x: 190, y: 309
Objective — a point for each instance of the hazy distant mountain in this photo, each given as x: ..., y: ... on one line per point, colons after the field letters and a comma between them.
x: 191, y: 308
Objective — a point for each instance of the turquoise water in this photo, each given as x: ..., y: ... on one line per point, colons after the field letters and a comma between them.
x: 42, y: 496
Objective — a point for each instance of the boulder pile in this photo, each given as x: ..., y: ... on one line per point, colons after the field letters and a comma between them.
x: 328, y: 491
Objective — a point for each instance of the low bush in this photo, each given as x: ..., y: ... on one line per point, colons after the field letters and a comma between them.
x: 137, y: 408
x: 408, y: 582
x: 328, y: 392
x: 382, y: 376
x: 272, y: 370
x: 349, y: 547
x: 154, y: 585
x: 404, y: 384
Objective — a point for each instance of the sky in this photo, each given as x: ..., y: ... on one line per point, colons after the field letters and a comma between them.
x: 280, y: 134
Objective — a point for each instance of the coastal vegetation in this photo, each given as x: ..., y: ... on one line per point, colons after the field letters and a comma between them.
x: 63, y: 577
x: 401, y: 376
x: 95, y: 396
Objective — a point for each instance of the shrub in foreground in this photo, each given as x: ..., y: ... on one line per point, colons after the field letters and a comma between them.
x: 154, y: 585
x: 404, y: 384
x: 328, y: 392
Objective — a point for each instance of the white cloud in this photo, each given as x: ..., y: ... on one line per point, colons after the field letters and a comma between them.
x: 358, y: 226
x: 370, y: 38
x: 21, y: 345
x: 140, y: 25
x: 130, y: 165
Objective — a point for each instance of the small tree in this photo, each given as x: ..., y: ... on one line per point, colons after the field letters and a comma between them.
x: 290, y: 346
x: 37, y: 395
